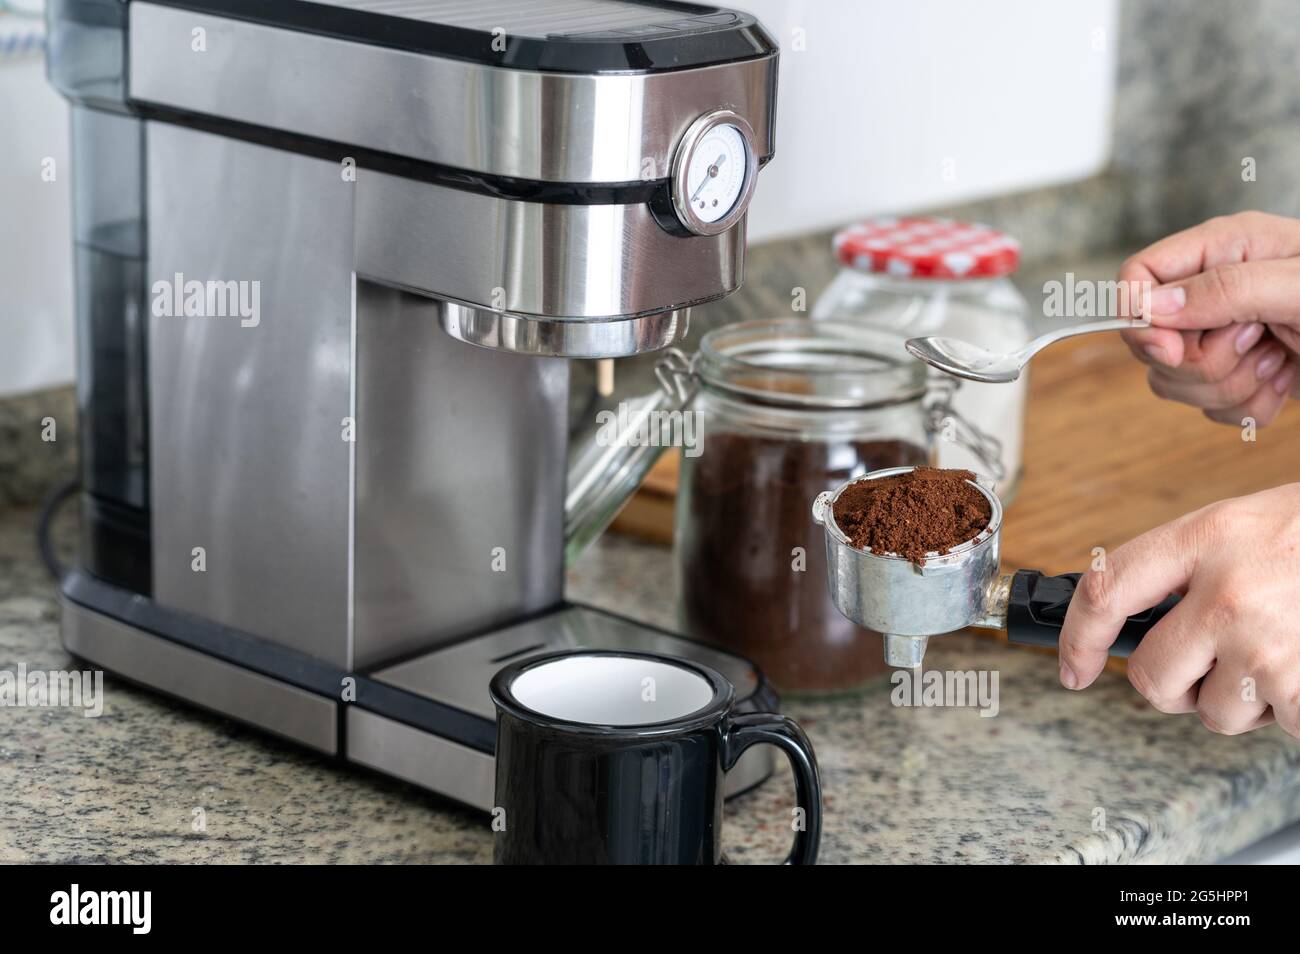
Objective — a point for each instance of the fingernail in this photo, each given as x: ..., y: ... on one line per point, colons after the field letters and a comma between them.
x: 1248, y: 337
x: 1157, y: 353
x: 1269, y: 364
x: 1282, y: 383
x: 1068, y: 678
x: 1167, y: 301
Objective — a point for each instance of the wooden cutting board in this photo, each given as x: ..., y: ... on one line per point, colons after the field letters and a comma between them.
x: 1105, y: 460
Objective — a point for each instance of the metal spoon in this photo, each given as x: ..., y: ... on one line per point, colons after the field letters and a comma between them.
x: 967, y: 360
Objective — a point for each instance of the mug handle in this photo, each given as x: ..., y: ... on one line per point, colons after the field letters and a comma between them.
x: 768, y: 727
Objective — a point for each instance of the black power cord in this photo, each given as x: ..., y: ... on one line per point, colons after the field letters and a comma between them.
x: 49, y: 509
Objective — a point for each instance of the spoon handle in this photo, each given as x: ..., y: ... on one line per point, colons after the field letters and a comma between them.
x: 1069, y: 331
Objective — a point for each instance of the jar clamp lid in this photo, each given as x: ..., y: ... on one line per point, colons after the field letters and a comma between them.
x: 809, y: 365
x: 944, y: 420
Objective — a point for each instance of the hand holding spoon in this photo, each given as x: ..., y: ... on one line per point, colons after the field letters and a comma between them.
x: 970, y: 361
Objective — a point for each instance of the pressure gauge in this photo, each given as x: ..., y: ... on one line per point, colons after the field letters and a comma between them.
x: 714, y: 171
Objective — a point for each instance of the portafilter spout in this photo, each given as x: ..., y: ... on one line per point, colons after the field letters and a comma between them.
x: 908, y: 604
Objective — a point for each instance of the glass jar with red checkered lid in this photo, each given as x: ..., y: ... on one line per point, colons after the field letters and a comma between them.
x: 933, y: 276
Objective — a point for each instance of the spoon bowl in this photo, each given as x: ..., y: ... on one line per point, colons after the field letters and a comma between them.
x: 970, y: 361
x: 965, y: 360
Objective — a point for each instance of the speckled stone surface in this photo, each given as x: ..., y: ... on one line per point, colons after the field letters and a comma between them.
x: 38, y: 444
x: 125, y: 787
x: 901, y: 785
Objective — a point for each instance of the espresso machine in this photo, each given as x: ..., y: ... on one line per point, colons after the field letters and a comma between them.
x: 333, y: 259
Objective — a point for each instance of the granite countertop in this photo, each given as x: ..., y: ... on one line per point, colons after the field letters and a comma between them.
x: 901, y: 785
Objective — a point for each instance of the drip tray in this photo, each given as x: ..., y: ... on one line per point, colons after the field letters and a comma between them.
x: 458, y: 676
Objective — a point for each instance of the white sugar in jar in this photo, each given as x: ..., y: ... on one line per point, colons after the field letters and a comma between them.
x: 931, y: 276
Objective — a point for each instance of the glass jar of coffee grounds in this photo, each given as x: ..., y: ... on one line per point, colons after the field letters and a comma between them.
x: 787, y: 408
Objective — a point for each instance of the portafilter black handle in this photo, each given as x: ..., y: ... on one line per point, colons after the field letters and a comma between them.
x: 1036, y: 609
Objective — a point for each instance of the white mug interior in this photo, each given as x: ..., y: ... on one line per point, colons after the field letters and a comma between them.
x: 612, y: 690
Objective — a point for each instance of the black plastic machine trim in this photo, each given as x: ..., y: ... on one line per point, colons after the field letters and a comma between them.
x: 702, y: 36
x: 484, y: 183
x: 278, y: 662
x: 719, y: 36
x: 309, y: 673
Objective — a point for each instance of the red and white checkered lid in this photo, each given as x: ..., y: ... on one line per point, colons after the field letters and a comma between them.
x: 920, y: 247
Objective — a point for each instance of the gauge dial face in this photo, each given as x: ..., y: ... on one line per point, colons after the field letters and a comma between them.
x: 715, y: 176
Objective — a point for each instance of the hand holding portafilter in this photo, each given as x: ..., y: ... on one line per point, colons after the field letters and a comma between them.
x: 908, y: 603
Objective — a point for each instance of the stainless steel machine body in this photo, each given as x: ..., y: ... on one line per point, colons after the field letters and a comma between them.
x: 301, y: 483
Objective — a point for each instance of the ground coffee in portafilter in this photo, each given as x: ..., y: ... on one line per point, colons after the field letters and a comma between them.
x: 753, y: 561
x: 927, y: 510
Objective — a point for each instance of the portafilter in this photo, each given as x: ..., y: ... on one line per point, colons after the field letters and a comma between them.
x: 909, y: 603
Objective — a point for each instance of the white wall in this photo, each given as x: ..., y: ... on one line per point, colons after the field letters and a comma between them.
x: 36, y: 343
x: 899, y: 105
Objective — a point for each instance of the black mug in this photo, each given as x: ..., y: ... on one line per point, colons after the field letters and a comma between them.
x: 608, y: 757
